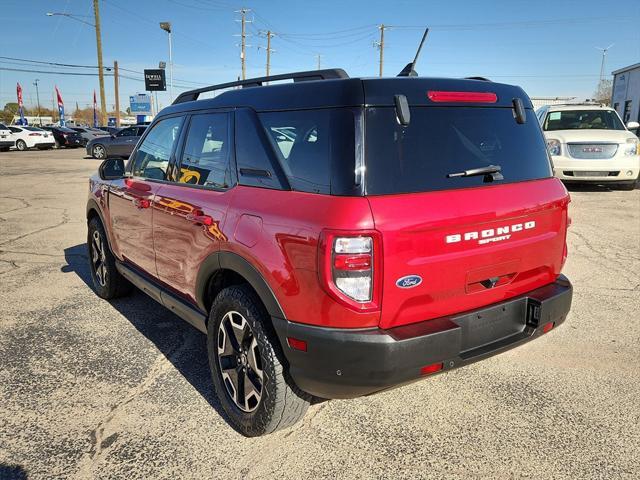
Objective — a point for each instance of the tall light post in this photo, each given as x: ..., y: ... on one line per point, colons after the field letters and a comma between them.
x: 166, y: 26
x: 35, y: 82
x: 96, y: 26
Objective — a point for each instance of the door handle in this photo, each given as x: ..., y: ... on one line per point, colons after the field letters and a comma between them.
x: 200, y: 218
x: 141, y: 203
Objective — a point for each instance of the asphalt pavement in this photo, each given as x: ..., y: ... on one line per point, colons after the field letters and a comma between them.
x: 97, y: 389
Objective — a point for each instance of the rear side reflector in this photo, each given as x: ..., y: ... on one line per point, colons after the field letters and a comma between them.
x: 440, y: 96
x: 433, y: 368
x: 548, y: 327
x: 297, y: 344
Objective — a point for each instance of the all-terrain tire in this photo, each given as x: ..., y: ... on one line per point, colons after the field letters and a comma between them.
x: 281, y: 403
x: 107, y: 281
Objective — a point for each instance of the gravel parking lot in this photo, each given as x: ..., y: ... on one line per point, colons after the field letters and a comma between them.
x: 91, y: 389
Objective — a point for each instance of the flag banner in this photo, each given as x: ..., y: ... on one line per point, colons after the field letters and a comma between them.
x: 95, y: 110
x: 22, y: 121
x: 60, y: 107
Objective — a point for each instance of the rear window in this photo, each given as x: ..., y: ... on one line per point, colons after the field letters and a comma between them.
x: 583, y: 119
x: 443, y: 140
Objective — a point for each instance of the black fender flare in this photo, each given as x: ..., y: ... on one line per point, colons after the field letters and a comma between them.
x: 231, y: 261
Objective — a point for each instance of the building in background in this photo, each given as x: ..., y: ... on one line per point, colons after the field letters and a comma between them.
x: 626, y: 93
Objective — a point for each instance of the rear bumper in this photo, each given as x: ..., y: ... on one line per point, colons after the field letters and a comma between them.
x: 343, y: 363
x: 6, y: 143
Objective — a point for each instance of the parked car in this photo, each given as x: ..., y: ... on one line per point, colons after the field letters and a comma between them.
x: 31, y: 137
x: 5, y: 138
x: 65, y: 137
x: 89, y: 133
x: 338, y: 236
x: 589, y: 143
x: 120, y: 144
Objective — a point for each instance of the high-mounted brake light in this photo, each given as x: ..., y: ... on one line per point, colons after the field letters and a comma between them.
x: 350, y: 267
x: 440, y: 96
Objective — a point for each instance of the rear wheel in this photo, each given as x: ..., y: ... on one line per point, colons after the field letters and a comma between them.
x: 98, y: 151
x: 107, y: 281
x: 21, y: 145
x: 247, y: 366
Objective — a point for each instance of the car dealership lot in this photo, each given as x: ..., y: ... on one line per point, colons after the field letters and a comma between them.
x: 122, y: 389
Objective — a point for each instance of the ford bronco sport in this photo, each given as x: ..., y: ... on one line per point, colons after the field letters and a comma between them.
x: 334, y: 237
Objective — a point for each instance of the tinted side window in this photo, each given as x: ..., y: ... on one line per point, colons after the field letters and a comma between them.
x: 152, y: 157
x: 127, y: 132
x: 309, y: 144
x: 207, y: 152
x: 257, y: 163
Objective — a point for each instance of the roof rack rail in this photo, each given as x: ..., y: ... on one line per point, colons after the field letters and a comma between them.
x: 577, y: 104
x: 484, y: 79
x: 327, y: 74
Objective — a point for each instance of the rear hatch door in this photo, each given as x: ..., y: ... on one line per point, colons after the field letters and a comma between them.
x: 453, y: 244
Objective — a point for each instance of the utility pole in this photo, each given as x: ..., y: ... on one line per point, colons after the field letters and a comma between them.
x: 243, y: 41
x: 103, y: 102
x: 380, y: 46
x: 35, y: 82
x: 318, y: 56
x: 116, y: 89
x: 269, y: 35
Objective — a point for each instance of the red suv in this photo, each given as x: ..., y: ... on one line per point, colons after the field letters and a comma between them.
x: 338, y: 236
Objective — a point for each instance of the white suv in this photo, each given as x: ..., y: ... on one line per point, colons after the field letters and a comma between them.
x: 5, y: 138
x: 589, y: 143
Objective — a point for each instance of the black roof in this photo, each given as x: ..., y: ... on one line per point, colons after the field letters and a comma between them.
x: 319, y: 89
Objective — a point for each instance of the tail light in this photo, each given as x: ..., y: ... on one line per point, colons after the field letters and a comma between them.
x: 34, y: 134
x: 351, y: 268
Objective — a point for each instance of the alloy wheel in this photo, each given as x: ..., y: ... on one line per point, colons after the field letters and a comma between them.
x: 98, y: 258
x: 240, y: 361
x: 98, y: 152
x: 21, y: 145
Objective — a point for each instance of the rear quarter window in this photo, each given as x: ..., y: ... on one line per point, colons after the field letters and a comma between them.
x: 444, y: 140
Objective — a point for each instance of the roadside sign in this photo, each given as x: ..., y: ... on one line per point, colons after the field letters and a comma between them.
x: 140, y: 104
x: 155, y: 80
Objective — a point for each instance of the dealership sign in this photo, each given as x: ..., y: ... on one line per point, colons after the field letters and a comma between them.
x: 140, y: 104
x: 155, y: 80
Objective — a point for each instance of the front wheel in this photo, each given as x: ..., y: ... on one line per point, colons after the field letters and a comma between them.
x: 21, y: 145
x: 107, y: 281
x: 98, y: 151
x: 247, y: 366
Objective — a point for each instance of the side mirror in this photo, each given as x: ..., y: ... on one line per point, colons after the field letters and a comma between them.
x: 111, y: 169
x: 633, y: 125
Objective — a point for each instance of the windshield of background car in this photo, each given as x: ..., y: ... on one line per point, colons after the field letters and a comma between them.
x: 582, y: 120
x: 443, y: 140
x: 65, y: 130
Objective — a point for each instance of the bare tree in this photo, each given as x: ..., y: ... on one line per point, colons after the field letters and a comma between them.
x: 603, y: 92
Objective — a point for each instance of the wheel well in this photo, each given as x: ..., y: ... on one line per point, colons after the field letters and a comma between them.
x: 91, y: 214
x: 220, y: 280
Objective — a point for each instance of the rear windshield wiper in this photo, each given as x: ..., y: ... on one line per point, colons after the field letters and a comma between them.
x: 490, y: 172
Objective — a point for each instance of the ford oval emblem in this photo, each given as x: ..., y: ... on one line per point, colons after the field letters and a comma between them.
x: 409, y: 281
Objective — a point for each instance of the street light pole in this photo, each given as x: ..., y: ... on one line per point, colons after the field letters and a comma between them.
x: 166, y: 26
x: 35, y: 82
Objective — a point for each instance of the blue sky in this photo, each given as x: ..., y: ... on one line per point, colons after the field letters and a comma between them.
x: 547, y: 47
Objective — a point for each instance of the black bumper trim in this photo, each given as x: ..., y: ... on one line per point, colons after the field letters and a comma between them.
x: 347, y: 363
